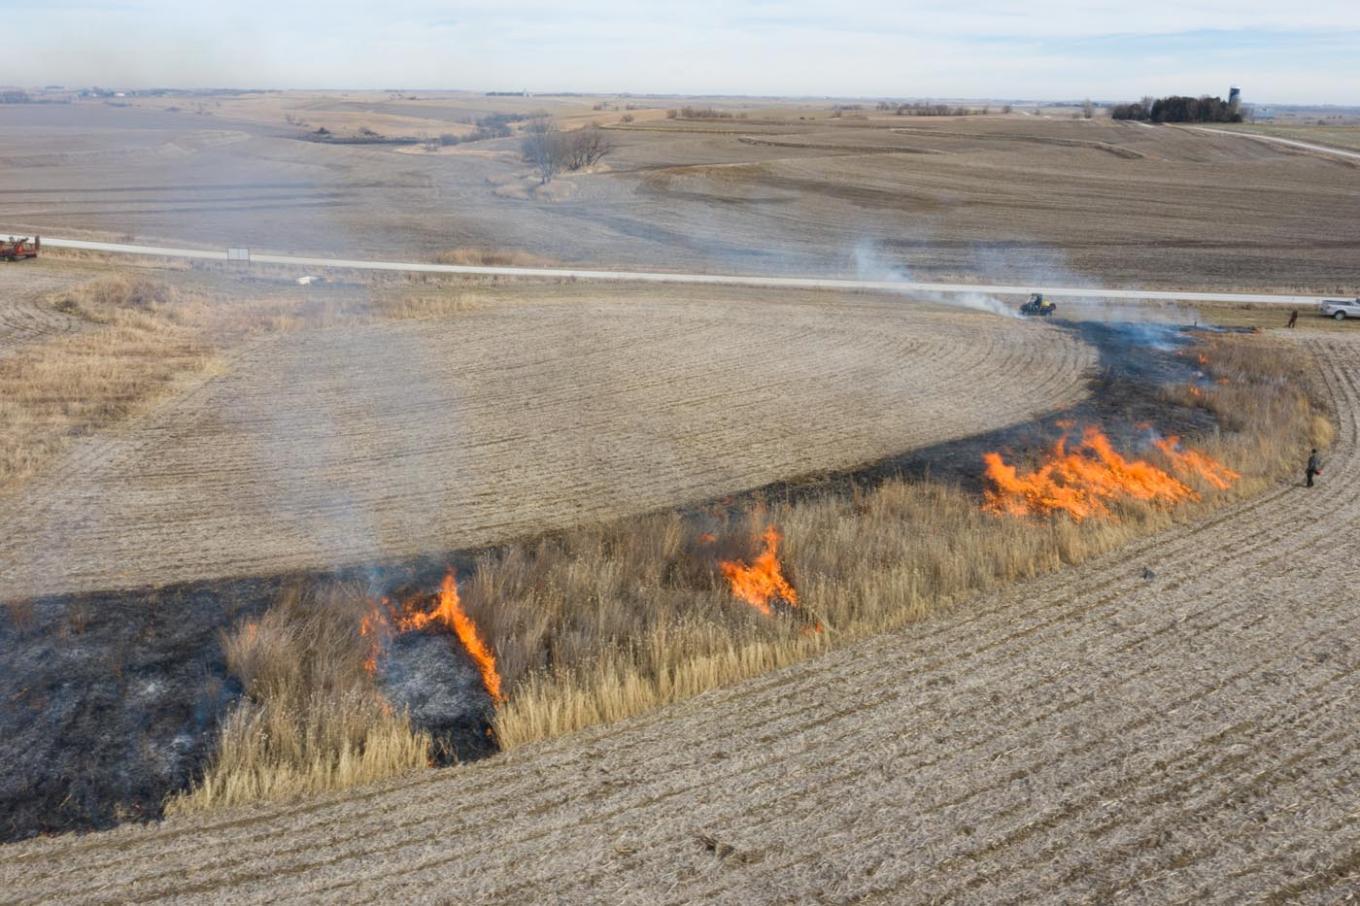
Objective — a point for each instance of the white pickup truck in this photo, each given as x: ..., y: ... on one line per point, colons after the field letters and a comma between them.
x: 1340, y: 309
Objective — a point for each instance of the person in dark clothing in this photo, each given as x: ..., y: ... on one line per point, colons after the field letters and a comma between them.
x: 1293, y: 318
x: 1314, y: 467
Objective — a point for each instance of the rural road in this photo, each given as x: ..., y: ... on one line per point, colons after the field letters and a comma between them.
x: 1277, y: 140
x: 894, y: 286
x: 1097, y: 735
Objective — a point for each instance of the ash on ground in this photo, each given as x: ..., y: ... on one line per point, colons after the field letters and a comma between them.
x: 108, y: 703
x: 428, y: 674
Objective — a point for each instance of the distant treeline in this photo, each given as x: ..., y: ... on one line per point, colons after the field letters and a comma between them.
x: 1179, y: 109
x: 921, y: 109
x: 15, y: 97
x: 703, y: 113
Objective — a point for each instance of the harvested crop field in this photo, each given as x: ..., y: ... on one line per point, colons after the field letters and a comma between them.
x: 789, y: 190
x: 1172, y: 723
x: 352, y: 445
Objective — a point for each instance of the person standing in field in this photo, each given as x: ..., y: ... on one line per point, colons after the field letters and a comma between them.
x: 1314, y: 467
x: 1293, y: 318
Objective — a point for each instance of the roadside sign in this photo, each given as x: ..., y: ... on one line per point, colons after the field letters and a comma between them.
x: 238, y: 255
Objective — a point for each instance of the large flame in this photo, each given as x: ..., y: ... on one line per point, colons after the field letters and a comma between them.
x: 761, y: 583
x: 1081, y: 483
x: 446, y: 611
x: 1192, y: 462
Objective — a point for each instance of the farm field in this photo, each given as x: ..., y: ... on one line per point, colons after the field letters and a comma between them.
x: 359, y: 443
x: 1173, y: 721
x: 790, y: 189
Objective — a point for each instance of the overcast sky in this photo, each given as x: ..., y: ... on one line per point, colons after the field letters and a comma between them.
x: 1300, y: 52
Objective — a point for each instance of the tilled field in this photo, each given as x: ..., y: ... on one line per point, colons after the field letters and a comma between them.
x: 348, y: 446
x: 1173, y: 723
x: 25, y: 315
x: 1013, y: 198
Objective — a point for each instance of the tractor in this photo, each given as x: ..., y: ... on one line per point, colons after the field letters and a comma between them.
x: 1038, y: 305
x: 14, y: 249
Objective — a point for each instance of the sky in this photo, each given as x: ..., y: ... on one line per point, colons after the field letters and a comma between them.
x: 1307, y: 51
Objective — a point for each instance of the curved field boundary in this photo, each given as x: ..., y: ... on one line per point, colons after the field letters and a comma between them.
x: 1093, y: 736
x: 365, y: 443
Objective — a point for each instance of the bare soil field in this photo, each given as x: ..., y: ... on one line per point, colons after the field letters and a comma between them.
x: 788, y: 189
x: 1171, y: 723
x: 360, y: 443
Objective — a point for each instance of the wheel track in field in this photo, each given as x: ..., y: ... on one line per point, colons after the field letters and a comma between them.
x: 349, y: 446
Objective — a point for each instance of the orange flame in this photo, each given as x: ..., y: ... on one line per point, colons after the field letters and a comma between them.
x: 761, y: 583
x: 1192, y: 462
x: 447, y: 611
x: 1081, y: 483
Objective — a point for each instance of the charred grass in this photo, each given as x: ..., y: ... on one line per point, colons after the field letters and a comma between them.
x: 604, y: 622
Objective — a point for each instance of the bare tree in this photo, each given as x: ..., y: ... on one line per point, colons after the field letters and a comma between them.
x: 542, y: 147
x: 551, y: 151
x: 1088, y: 109
x: 586, y: 147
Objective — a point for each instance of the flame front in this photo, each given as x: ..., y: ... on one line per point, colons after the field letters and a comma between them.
x: 447, y: 611
x: 1192, y: 462
x: 1081, y: 483
x: 761, y: 583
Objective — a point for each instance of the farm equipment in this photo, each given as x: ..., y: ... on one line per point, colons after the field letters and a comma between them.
x: 14, y: 249
x: 1038, y: 306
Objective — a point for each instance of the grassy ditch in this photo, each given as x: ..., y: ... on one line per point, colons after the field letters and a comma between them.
x: 128, y: 344
x: 311, y: 719
x: 604, y: 622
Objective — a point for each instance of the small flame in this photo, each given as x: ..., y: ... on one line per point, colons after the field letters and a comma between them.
x: 377, y: 628
x: 761, y: 583
x: 1081, y: 483
x: 447, y: 611
x: 1192, y: 462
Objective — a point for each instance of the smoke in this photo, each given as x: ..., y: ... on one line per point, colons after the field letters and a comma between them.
x: 870, y: 265
x: 1002, y: 264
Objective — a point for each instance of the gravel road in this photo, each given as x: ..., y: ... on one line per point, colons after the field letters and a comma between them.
x: 890, y: 286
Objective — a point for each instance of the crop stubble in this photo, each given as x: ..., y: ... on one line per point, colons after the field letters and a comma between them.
x: 345, y: 446
x: 1088, y: 736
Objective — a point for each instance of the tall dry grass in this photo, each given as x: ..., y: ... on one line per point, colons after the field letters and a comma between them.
x: 311, y: 719
x: 608, y: 622
x: 131, y: 343
x: 483, y: 257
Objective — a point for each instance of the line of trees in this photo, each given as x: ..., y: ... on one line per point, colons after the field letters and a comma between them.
x: 1179, y: 109
x: 921, y: 109
x: 550, y: 151
x: 703, y: 113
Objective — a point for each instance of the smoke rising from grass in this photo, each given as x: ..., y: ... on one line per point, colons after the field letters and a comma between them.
x: 870, y: 265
